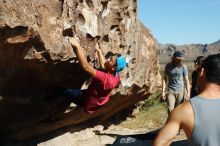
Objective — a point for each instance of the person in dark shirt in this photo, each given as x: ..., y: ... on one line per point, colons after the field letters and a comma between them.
x: 198, y: 65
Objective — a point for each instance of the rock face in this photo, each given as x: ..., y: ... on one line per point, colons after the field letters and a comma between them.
x: 191, y: 51
x: 35, y: 57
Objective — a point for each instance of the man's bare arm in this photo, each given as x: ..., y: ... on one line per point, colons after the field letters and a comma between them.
x: 81, y: 56
x: 100, y: 57
x: 186, y: 79
x: 164, y: 80
x: 170, y: 130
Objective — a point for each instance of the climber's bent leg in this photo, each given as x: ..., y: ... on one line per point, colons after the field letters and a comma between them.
x: 76, y: 95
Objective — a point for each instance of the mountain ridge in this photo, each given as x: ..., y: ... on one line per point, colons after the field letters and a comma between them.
x: 191, y: 51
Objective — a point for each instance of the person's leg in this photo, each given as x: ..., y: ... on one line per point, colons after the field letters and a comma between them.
x: 170, y: 100
x: 179, y: 97
x: 179, y: 100
x: 75, y: 95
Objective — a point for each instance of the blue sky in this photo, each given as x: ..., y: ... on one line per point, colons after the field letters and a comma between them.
x: 181, y: 21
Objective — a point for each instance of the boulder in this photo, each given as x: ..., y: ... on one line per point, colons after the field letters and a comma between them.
x: 36, y: 57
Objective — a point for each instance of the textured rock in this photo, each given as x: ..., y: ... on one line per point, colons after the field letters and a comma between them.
x: 35, y: 57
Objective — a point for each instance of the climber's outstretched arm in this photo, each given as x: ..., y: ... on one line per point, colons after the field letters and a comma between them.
x: 81, y: 56
x: 100, y: 56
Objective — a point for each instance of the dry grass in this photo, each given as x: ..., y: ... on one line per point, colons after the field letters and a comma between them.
x: 150, y: 118
x: 152, y: 114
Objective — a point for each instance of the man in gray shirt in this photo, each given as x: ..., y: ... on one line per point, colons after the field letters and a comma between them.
x: 199, y: 117
x: 175, y: 75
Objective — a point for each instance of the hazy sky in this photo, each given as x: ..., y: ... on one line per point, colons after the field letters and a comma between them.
x: 181, y: 21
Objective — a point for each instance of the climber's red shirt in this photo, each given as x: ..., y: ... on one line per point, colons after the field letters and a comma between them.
x: 99, y: 90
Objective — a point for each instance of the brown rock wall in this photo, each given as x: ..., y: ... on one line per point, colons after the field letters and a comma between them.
x: 35, y: 57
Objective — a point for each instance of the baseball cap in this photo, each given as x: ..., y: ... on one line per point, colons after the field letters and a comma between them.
x: 120, y: 64
x: 178, y: 55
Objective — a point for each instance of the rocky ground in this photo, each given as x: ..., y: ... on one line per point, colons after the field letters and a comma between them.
x: 96, y: 136
x: 142, y: 121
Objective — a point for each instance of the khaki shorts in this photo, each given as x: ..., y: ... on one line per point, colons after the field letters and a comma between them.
x: 174, y: 99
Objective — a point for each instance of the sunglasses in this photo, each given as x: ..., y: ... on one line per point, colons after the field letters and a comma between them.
x: 196, y: 62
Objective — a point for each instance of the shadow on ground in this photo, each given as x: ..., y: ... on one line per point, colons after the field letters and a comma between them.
x: 145, y: 139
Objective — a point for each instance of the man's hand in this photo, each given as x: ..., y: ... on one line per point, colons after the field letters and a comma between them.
x: 97, y: 48
x: 187, y: 97
x: 164, y: 95
x: 74, y: 42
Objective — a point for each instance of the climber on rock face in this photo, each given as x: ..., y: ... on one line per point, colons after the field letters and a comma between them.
x: 103, y: 82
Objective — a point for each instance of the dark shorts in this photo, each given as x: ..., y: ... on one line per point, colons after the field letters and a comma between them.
x: 75, y: 95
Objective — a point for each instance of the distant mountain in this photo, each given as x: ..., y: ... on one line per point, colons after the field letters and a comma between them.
x: 215, y: 44
x: 191, y: 51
